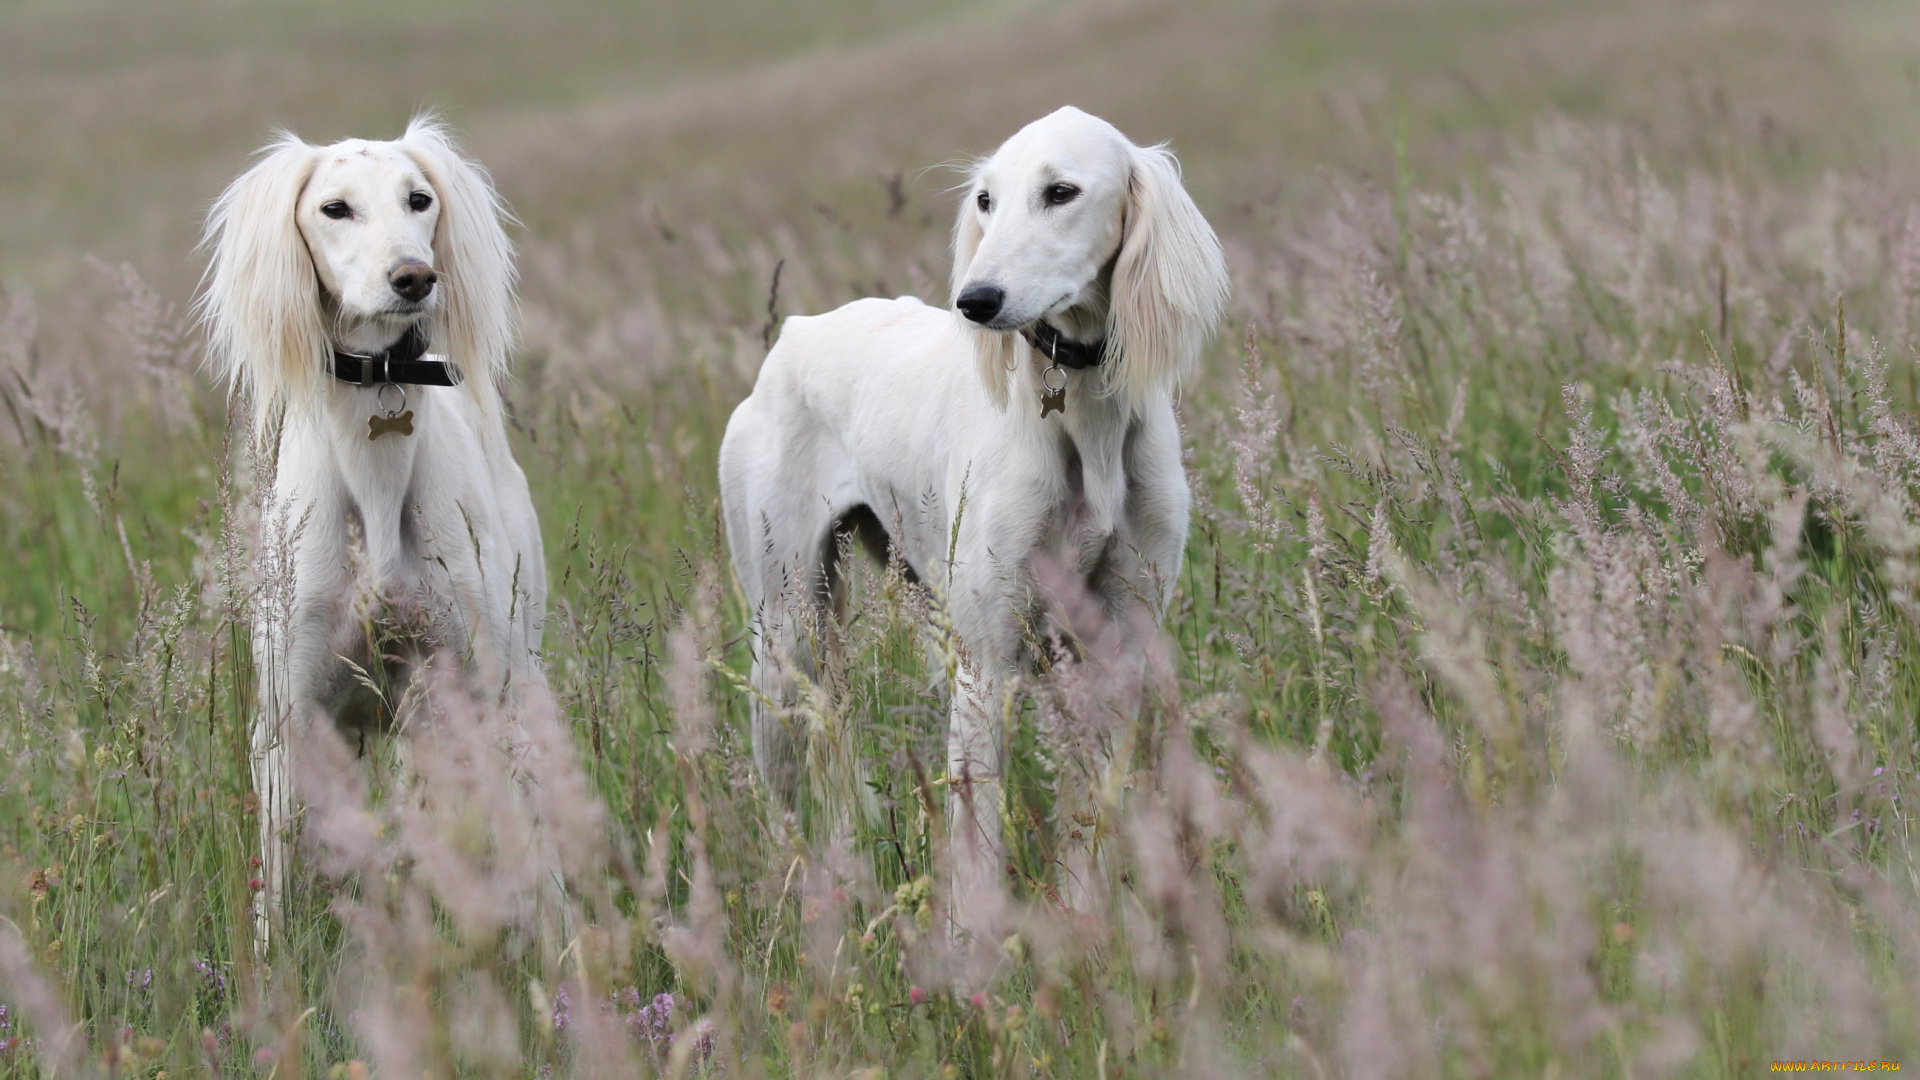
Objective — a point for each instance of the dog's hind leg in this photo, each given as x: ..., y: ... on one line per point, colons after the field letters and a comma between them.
x: 779, y: 729
x: 775, y: 471
x: 792, y: 618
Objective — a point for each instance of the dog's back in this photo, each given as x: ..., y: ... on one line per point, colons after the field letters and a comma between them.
x: 852, y: 407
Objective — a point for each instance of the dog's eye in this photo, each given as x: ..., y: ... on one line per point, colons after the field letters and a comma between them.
x: 1059, y: 194
x: 337, y: 210
x: 985, y: 201
x: 419, y: 200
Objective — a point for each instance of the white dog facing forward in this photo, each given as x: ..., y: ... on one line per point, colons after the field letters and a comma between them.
x: 1034, y: 420
x: 360, y: 295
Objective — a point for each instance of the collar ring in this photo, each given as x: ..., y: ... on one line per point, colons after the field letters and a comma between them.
x: 380, y: 397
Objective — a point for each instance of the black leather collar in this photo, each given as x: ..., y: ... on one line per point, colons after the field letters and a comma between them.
x: 398, y: 363
x: 1063, y: 351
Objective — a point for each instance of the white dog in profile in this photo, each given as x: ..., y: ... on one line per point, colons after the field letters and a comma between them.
x: 398, y: 522
x: 1032, y: 420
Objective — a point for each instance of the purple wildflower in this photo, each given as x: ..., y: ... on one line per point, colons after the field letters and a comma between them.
x: 211, y: 978
x: 651, y: 1024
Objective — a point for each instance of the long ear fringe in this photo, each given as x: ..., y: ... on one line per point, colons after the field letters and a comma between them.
x: 1169, y: 282
x: 260, y: 297
x: 995, y: 352
x: 473, y: 258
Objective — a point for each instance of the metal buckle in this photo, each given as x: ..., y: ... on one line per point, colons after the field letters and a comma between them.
x: 375, y: 370
x: 366, y: 367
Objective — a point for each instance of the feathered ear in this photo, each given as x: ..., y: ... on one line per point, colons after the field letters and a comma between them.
x: 1169, y: 281
x: 473, y: 258
x: 995, y: 352
x: 260, y: 297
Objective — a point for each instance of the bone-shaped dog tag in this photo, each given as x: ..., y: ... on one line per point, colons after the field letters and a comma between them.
x: 380, y: 425
x: 1053, y: 401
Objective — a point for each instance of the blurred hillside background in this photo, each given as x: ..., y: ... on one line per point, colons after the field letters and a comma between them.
x: 1539, y: 698
x: 124, y: 119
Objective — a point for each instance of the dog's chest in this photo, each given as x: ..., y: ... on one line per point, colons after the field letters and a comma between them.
x: 1090, y: 501
x: 379, y: 477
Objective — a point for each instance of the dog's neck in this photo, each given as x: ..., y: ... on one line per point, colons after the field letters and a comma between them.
x: 369, y: 336
x: 1078, y: 324
x: 1086, y: 321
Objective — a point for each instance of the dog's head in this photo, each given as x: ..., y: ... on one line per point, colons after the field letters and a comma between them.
x: 1070, y: 221
x: 368, y: 215
x: 313, y: 244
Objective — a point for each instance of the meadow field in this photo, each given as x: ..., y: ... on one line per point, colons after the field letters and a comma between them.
x: 1539, y: 697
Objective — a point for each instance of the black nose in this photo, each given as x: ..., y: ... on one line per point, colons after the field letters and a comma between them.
x: 412, y: 280
x: 980, y: 303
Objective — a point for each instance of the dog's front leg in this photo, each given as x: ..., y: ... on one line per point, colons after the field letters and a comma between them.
x: 286, y: 661
x: 976, y: 797
x: 302, y: 561
x: 987, y: 643
x: 1134, y: 585
x: 272, y: 782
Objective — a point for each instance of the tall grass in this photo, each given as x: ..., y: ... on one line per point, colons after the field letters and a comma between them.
x: 1538, y: 697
